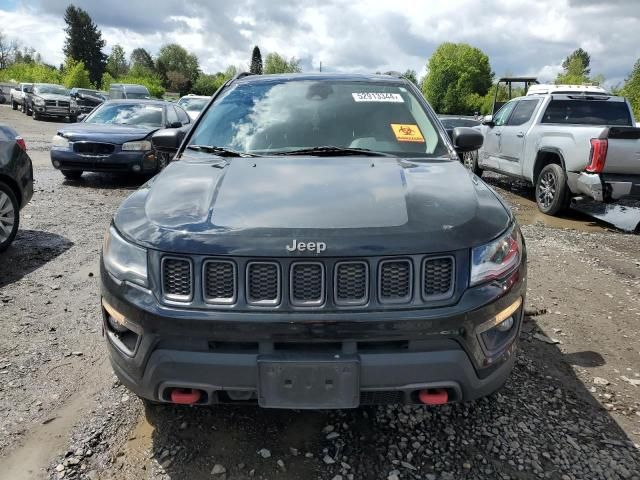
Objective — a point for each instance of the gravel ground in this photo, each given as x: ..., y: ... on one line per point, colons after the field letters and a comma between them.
x: 571, y: 409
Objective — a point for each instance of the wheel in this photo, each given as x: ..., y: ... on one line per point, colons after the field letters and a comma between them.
x: 27, y: 110
x: 34, y: 115
x: 9, y: 216
x: 72, y: 174
x: 552, y: 193
x: 470, y: 161
x: 14, y: 105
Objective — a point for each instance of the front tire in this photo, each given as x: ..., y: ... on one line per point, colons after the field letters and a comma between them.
x: 34, y: 115
x: 9, y: 216
x: 14, y: 104
x: 552, y: 192
x: 470, y: 161
x: 72, y: 174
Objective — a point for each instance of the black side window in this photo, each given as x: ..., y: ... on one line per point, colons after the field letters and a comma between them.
x: 182, y: 116
x: 172, y: 116
x: 523, y: 112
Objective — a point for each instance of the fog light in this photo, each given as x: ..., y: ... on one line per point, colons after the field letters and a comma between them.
x: 137, y: 168
x: 56, y: 163
x: 506, y: 325
x: 502, y: 317
x: 115, y: 319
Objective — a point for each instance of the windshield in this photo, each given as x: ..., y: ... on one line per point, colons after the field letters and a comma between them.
x: 127, y: 114
x: 280, y: 116
x: 137, y: 95
x: 53, y: 89
x: 459, y: 122
x: 193, y: 104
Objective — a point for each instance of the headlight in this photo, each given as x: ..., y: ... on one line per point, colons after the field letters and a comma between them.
x: 60, y: 141
x: 143, y: 145
x: 123, y: 260
x: 497, y: 258
x: 38, y: 101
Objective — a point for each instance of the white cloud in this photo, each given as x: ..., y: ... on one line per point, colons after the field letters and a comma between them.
x: 520, y: 36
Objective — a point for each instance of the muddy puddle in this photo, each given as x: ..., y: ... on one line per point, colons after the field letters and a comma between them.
x: 583, y: 216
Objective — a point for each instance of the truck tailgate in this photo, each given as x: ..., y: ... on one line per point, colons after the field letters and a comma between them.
x: 623, y: 151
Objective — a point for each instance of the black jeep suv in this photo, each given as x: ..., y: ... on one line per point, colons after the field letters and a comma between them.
x: 316, y: 244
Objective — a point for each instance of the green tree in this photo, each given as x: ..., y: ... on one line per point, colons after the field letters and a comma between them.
x: 575, y: 73
x: 106, y: 81
x: 117, y: 62
x: 411, y: 75
x: 141, y: 58
x: 631, y: 89
x: 84, y: 42
x: 75, y: 75
x: 276, y: 63
x: 178, y: 68
x: 584, y: 57
x: 256, y: 61
x: 458, y: 77
x: 207, y: 84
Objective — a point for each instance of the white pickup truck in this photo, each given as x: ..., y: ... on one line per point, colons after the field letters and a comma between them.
x: 570, y: 144
x: 18, y: 95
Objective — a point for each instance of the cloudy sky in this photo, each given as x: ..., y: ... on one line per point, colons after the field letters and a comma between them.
x: 520, y: 36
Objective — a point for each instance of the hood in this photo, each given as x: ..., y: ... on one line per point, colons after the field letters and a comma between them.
x: 54, y: 96
x: 102, y: 132
x: 356, y: 206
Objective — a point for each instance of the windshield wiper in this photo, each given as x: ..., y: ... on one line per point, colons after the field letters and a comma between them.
x: 220, y: 151
x: 329, y: 150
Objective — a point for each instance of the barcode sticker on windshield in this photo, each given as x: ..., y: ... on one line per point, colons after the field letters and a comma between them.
x: 378, y: 97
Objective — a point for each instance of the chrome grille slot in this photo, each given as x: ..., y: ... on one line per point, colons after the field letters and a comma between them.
x: 438, y: 278
x: 177, y: 279
x: 351, y: 283
x: 263, y: 283
x: 219, y: 281
x: 307, y: 283
x: 394, y: 281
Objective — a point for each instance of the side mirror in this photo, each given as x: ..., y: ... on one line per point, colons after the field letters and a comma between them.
x: 168, y: 139
x: 466, y: 139
x: 174, y: 125
x: 488, y: 121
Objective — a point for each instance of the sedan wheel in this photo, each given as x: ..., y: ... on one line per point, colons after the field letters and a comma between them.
x: 9, y: 218
x: 470, y: 161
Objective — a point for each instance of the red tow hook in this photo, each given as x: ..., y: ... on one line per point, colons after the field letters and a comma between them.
x: 437, y: 396
x: 185, y: 396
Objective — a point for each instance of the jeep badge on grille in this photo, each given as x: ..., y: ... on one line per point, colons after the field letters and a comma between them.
x: 317, y: 247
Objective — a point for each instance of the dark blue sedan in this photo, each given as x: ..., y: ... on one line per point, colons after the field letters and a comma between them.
x: 116, y: 137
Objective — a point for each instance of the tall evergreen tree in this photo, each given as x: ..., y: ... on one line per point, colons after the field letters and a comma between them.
x: 256, y: 61
x: 117, y: 64
x: 141, y: 58
x: 84, y: 42
x: 584, y: 58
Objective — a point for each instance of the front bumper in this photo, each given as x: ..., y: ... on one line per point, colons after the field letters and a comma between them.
x: 119, y: 161
x: 45, y: 111
x: 604, y: 187
x: 397, y: 353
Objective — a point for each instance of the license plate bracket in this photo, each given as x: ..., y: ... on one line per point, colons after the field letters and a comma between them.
x: 303, y: 383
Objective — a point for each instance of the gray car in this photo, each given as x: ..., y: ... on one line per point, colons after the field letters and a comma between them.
x: 48, y: 100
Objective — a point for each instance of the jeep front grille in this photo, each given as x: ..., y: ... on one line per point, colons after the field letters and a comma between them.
x: 307, y: 283
x: 263, y: 283
x: 351, y: 283
x: 437, y: 278
x: 395, y: 281
x: 177, y: 281
x: 318, y: 283
x: 219, y: 281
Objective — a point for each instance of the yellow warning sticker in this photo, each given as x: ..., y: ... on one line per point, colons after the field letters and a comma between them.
x: 407, y: 132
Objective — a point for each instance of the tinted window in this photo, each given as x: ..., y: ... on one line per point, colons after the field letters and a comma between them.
x: 172, y: 116
x: 501, y: 117
x: 115, y: 93
x: 522, y: 112
x: 279, y: 116
x: 127, y: 114
x: 182, y: 116
x: 587, y: 112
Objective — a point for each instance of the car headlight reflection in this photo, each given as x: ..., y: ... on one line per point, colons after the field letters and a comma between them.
x: 495, y: 259
x: 123, y: 260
